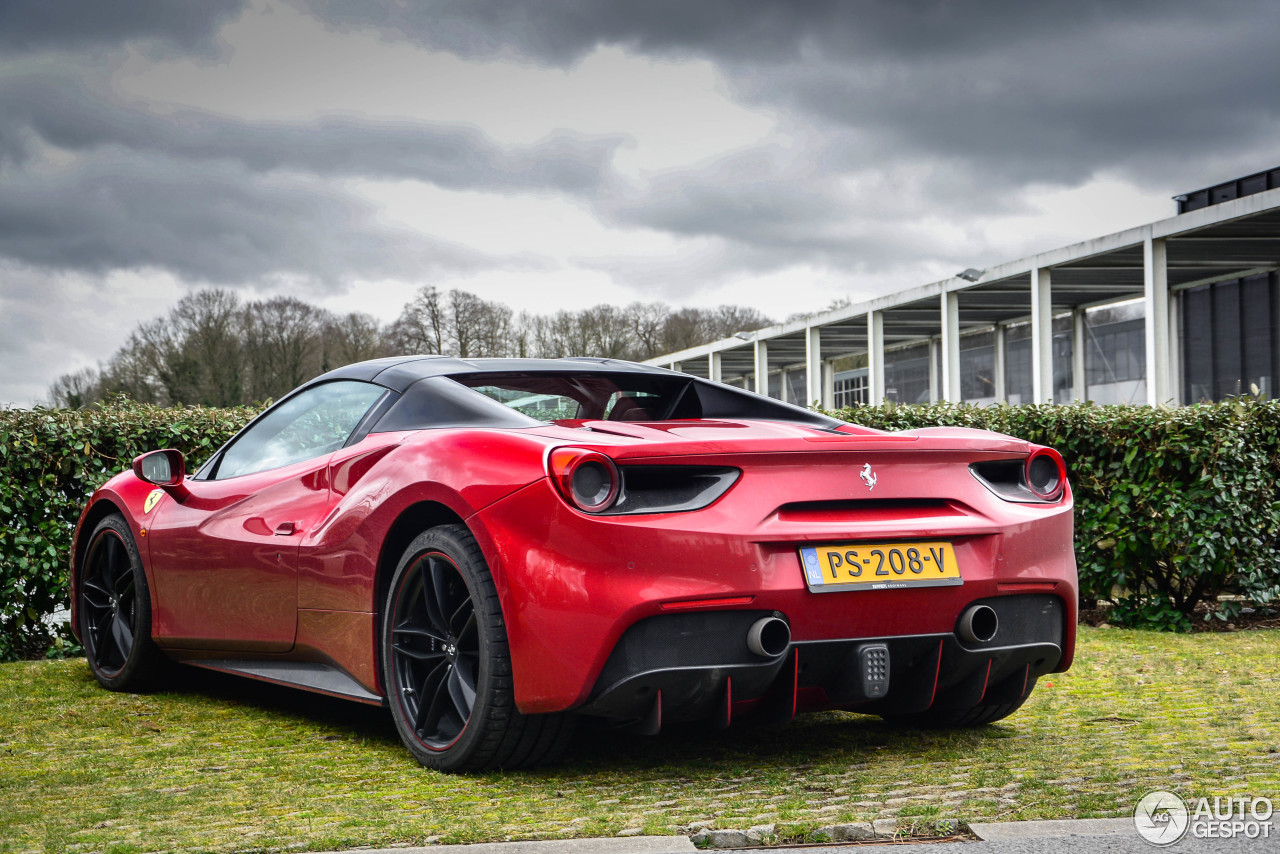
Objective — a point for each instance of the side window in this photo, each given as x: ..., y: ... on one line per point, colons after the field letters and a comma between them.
x: 308, y: 425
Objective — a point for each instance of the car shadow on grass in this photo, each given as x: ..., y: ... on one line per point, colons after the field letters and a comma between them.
x: 597, y: 749
x: 822, y: 737
x: 340, y: 716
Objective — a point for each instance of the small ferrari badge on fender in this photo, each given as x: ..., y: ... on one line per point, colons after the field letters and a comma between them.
x: 867, y: 477
x: 152, y: 500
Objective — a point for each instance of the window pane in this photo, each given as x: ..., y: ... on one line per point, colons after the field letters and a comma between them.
x: 312, y: 424
x: 1018, y: 369
x: 1197, y: 351
x: 1258, y: 321
x: 1227, y: 368
x: 906, y: 375
x: 978, y: 368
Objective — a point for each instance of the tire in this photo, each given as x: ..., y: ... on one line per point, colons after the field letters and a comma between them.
x: 446, y: 664
x: 115, y: 611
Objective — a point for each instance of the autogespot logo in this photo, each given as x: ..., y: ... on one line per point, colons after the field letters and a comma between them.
x: 1161, y: 818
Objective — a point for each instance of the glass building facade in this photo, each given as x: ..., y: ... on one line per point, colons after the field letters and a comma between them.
x: 1229, y: 339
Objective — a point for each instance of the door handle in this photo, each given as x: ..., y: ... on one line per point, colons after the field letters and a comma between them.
x: 285, y: 529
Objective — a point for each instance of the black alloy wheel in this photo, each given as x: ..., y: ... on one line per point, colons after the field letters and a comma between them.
x: 436, y: 650
x: 115, y: 610
x: 446, y: 664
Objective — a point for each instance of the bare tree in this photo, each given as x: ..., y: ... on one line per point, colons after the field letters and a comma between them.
x: 351, y: 338
x: 607, y: 332
x: 421, y: 326
x: 75, y: 390
x: 477, y: 327
x: 725, y: 320
x: 283, y: 344
x: 212, y: 349
x: 211, y: 326
x: 648, y: 320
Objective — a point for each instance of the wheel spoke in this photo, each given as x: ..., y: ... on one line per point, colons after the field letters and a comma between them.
x: 125, y: 583
x: 415, y: 654
x: 468, y: 632
x: 112, y: 558
x: 96, y: 596
x: 416, y: 631
x: 435, y: 621
x: 437, y: 595
x: 430, y: 708
x: 123, y: 635
x: 459, y: 619
x: 103, y: 642
x: 462, y: 694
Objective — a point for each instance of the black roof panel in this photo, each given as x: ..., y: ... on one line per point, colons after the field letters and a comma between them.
x: 399, y: 372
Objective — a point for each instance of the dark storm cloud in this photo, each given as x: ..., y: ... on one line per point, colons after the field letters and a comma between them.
x: 1051, y: 92
x: 561, y: 32
x: 209, y: 223
x: 186, y: 26
x: 37, y: 109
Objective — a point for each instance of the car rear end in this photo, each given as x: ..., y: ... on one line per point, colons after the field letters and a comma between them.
x: 712, y: 570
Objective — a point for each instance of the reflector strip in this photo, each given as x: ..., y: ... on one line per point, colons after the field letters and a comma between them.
x: 986, y: 680
x: 937, y: 670
x: 687, y: 604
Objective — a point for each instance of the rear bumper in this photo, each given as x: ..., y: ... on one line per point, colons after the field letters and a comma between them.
x: 572, y: 586
x: 697, y: 666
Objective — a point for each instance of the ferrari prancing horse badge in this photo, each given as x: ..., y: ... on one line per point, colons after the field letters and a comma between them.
x: 152, y: 500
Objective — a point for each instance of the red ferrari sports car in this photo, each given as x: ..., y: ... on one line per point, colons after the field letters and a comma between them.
x: 498, y: 548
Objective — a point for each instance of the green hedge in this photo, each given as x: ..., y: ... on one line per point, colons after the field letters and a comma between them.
x: 51, y: 460
x: 1174, y: 506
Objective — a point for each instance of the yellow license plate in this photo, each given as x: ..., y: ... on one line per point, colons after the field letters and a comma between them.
x: 879, y: 566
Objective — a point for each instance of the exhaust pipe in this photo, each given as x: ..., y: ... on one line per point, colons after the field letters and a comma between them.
x: 978, y: 624
x: 769, y: 637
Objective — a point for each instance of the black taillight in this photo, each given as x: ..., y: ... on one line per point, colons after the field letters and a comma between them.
x: 1038, y: 478
x: 587, y: 479
x: 1046, y: 474
x: 593, y: 483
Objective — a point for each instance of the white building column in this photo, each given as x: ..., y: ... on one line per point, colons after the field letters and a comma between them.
x: 762, y: 367
x: 677, y: 366
x: 935, y: 384
x: 1175, y: 349
x: 1155, y: 287
x: 1041, y: 336
x: 714, y: 367
x: 1079, y: 380
x: 1001, y: 342
x: 875, y: 358
x: 784, y: 386
x: 828, y: 384
x: 951, y: 347
x: 813, y: 365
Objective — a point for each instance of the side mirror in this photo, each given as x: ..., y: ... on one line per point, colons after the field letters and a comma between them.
x: 165, y: 468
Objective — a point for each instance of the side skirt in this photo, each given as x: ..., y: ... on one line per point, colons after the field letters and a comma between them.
x: 309, y: 676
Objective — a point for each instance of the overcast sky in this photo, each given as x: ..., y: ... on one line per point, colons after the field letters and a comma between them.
x: 562, y: 153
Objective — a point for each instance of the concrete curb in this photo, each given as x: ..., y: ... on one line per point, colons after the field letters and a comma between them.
x: 985, y: 831
x: 608, y: 845
x: 1053, y: 829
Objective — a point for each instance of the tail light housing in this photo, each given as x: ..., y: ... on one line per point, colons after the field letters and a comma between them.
x: 1046, y: 474
x: 593, y: 483
x: 588, y: 480
x: 1040, y: 478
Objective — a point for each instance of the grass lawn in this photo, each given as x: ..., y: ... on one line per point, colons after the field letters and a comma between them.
x: 221, y: 764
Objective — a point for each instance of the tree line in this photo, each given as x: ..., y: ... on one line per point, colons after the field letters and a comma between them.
x: 216, y: 349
